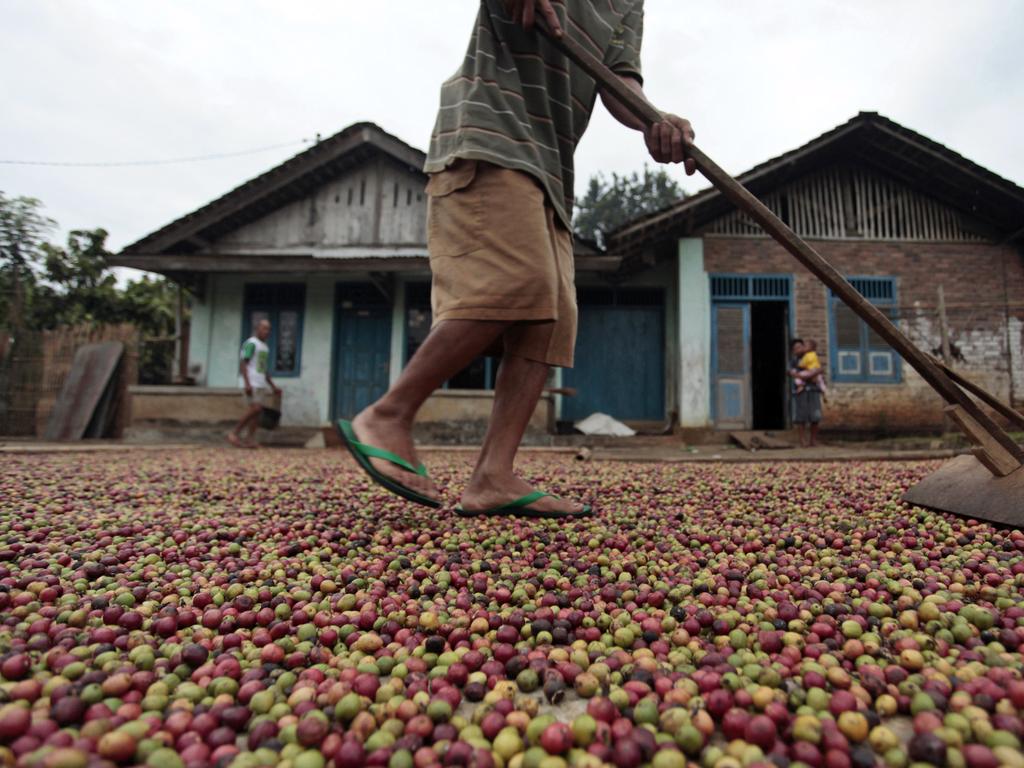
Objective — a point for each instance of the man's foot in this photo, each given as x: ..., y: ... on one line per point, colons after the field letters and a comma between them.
x: 491, y: 492
x: 395, y: 436
x: 233, y: 439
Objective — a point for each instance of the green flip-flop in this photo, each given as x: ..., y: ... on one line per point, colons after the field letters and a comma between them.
x: 362, y: 453
x: 521, y: 508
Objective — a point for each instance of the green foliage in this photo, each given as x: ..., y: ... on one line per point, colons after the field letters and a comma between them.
x: 43, y: 285
x: 77, y: 287
x: 23, y: 229
x: 608, y: 204
x: 149, y: 304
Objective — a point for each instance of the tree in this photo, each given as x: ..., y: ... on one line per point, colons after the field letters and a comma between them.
x: 22, y: 231
x: 150, y: 305
x: 608, y: 205
x: 43, y: 285
x: 77, y: 285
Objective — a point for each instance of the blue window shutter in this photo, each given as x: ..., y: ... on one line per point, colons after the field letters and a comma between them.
x: 859, y: 354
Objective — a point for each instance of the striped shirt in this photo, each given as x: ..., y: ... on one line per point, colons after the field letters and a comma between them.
x: 518, y: 102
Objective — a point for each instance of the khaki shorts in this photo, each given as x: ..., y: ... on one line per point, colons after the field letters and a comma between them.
x: 498, y: 252
x: 262, y: 397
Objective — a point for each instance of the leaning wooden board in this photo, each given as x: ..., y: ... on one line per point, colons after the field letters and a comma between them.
x: 92, y: 373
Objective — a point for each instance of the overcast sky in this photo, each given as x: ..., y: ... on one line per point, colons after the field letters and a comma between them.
x: 127, y: 80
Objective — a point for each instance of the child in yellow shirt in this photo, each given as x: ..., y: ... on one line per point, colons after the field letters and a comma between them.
x: 809, y: 362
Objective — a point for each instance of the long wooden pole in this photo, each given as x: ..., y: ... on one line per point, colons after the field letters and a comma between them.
x: 789, y: 240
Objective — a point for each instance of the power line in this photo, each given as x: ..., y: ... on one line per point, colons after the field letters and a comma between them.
x: 173, y: 161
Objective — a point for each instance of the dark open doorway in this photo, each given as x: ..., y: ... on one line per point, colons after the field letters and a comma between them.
x: 769, y: 325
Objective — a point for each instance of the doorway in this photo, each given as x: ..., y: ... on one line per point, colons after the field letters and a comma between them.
x: 750, y: 329
x: 362, y: 348
x: 769, y: 324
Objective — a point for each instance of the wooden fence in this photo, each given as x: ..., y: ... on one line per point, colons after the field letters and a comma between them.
x: 34, y: 365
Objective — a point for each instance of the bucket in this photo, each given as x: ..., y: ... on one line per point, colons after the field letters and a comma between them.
x: 270, y: 416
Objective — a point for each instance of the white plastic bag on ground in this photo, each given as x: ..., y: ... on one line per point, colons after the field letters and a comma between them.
x: 603, y: 424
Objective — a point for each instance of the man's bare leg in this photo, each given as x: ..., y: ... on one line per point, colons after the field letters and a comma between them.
x: 249, y: 417
x: 387, y: 423
x: 814, y: 434
x: 250, y: 431
x: 494, y: 482
x: 800, y: 427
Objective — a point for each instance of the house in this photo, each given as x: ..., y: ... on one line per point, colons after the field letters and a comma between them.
x: 925, y: 234
x: 331, y: 247
x: 684, y: 321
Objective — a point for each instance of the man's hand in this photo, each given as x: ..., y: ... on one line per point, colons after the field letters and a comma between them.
x: 667, y: 141
x: 525, y: 12
x: 277, y: 389
x: 248, y: 391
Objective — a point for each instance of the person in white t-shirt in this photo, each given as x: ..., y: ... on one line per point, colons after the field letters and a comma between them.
x: 254, y: 379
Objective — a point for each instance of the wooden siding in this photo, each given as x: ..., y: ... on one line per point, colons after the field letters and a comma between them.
x: 846, y: 203
x: 377, y: 203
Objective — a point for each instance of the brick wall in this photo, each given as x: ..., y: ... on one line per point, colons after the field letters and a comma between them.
x: 984, y: 293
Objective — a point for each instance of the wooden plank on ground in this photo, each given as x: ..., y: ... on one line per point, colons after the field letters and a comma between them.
x: 91, y: 374
x: 754, y: 440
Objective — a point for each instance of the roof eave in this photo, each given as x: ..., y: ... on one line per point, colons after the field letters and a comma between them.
x: 266, y: 184
x: 634, y: 231
x: 690, y: 214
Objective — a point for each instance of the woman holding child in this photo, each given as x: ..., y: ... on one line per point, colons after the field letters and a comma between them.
x: 808, y: 388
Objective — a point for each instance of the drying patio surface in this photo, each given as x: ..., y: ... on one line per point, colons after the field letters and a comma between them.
x: 201, y: 606
x: 661, y: 450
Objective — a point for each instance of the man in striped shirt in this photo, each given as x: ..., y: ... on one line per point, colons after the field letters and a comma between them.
x: 498, y: 229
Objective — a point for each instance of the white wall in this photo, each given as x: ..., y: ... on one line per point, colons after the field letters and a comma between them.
x: 694, y: 335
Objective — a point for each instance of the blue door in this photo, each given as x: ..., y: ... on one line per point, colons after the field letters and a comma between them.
x: 362, y: 355
x: 730, y: 365
x: 620, y: 364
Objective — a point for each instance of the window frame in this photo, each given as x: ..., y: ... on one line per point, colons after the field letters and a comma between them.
x: 273, y: 311
x: 864, y: 351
